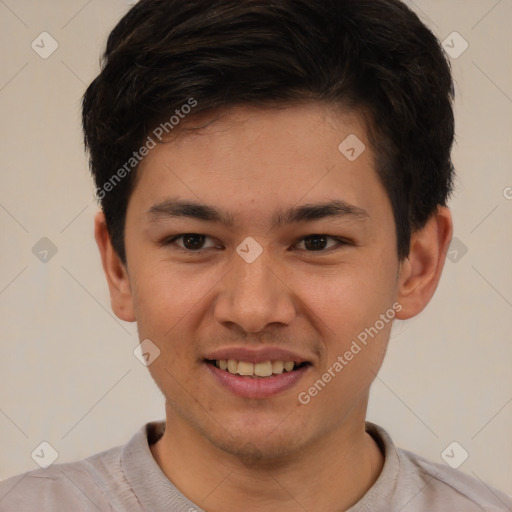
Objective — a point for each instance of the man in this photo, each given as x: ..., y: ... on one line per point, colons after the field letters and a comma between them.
x: 273, y: 178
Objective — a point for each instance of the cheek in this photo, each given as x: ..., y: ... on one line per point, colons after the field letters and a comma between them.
x: 349, y: 298
x: 349, y: 303
x: 167, y: 298
x: 348, y: 308
x: 169, y: 304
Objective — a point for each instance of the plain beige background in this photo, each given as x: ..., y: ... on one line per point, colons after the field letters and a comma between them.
x: 68, y: 373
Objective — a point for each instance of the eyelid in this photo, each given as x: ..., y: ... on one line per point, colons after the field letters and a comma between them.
x: 171, y: 240
x: 340, y: 243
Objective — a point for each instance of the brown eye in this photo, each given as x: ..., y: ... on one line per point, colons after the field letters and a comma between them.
x: 192, y: 242
x: 318, y: 243
x: 315, y: 242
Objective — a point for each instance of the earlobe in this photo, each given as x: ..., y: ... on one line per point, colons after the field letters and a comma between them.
x: 421, y: 271
x: 115, y: 272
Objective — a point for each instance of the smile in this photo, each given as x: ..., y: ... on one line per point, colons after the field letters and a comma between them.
x: 256, y: 370
x: 256, y: 380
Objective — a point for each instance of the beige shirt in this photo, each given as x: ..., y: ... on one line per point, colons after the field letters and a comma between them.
x: 127, y: 478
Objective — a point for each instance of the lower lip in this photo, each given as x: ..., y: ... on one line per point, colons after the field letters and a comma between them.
x: 248, y: 387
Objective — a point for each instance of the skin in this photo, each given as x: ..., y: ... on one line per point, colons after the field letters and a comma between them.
x: 223, y: 451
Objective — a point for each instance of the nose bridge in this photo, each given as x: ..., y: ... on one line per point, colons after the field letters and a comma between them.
x: 253, y: 296
x: 254, y: 279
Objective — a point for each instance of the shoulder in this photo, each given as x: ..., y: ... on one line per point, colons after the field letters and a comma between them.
x: 440, y: 487
x: 77, y: 485
x: 411, y: 483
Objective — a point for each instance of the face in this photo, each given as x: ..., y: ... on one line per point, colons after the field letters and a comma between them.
x: 288, y: 256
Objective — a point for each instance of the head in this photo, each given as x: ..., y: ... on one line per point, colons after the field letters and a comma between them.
x: 227, y: 120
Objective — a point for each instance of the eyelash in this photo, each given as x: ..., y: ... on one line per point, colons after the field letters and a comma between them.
x: 171, y: 241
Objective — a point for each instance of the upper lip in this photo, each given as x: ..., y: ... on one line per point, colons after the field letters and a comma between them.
x: 255, y: 355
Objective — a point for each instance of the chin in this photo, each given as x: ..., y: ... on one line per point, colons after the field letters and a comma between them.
x: 259, y: 452
x: 254, y: 445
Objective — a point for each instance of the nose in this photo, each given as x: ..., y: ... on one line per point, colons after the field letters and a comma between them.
x: 255, y: 295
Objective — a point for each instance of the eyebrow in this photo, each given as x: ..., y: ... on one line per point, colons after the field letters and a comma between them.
x: 176, y: 208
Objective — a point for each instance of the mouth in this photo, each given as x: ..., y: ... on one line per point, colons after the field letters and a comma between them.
x: 257, y: 380
x: 260, y: 370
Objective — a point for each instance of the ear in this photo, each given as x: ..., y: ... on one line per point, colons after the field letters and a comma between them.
x: 420, y: 272
x: 115, y: 272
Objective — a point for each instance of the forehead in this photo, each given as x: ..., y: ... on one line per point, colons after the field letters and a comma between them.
x: 247, y: 160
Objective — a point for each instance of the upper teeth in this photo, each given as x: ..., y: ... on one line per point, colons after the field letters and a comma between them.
x: 257, y: 369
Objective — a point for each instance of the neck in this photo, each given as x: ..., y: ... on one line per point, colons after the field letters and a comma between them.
x: 332, y: 473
